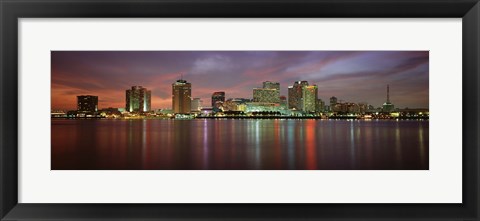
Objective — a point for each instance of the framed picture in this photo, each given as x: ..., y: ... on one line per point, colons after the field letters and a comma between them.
x: 242, y: 123
x: 239, y: 110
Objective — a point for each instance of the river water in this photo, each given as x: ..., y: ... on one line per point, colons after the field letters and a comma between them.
x: 233, y: 144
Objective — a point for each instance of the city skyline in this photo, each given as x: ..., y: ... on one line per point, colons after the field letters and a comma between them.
x: 350, y: 76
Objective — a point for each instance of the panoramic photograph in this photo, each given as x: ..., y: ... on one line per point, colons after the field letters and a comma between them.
x: 239, y: 110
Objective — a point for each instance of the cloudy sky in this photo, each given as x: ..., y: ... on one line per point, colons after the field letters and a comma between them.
x: 354, y: 76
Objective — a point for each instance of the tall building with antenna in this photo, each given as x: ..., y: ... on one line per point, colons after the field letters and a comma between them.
x: 181, y: 97
x: 387, y: 106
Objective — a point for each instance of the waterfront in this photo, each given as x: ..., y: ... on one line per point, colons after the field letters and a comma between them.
x: 248, y: 144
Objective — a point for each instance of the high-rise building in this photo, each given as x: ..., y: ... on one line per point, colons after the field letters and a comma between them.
x: 320, y: 105
x: 309, y: 98
x: 269, y: 93
x: 197, y: 104
x: 292, y: 98
x: 181, y: 97
x: 333, y: 104
x: 218, y: 98
x: 295, y: 94
x: 138, y: 99
x: 265, y: 95
x: 271, y: 85
x: 387, y: 106
x: 87, y: 103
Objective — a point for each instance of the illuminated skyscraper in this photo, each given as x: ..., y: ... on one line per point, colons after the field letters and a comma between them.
x: 295, y: 94
x: 271, y: 85
x: 270, y: 93
x: 181, y: 97
x: 87, y: 103
x: 218, y: 98
x: 138, y: 99
x: 309, y: 98
x: 266, y: 95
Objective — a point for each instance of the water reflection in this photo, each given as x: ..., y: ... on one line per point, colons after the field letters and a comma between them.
x: 422, y: 143
x: 310, y: 141
x: 352, y: 143
x: 398, y: 145
x: 239, y: 144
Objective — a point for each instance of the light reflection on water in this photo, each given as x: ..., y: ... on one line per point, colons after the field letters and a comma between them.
x: 269, y: 144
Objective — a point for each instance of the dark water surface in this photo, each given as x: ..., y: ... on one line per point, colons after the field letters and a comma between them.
x: 250, y: 144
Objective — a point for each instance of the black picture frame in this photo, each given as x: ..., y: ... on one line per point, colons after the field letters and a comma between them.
x: 11, y: 11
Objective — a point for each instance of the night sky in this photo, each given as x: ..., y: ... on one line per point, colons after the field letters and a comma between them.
x: 351, y: 76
